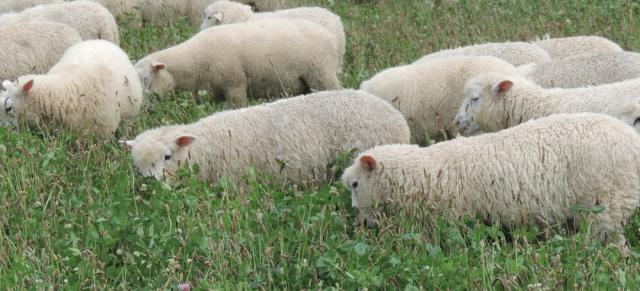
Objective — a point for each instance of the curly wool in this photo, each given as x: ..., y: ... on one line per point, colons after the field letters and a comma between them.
x: 563, y: 47
x: 292, y: 139
x: 530, y: 174
x: 515, y: 53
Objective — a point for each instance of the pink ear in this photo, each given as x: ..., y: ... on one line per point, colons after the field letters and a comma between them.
x: 157, y: 66
x: 219, y: 16
x: 184, y: 141
x: 27, y: 87
x: 127, y: 145
x: 368, y: 162
x: 504, y: 86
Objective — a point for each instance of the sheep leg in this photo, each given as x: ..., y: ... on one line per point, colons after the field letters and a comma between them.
x: 237, y: 96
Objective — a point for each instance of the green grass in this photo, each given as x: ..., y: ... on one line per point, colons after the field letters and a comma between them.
x: 75, y: 213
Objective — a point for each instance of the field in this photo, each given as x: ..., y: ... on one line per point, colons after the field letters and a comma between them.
x: 75, y: 214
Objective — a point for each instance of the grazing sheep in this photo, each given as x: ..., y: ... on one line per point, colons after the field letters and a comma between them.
x: 92, y: 87
x: 33, y: 47
x: 562, y: 47
x: 515, y: 53
x: 264, y: 58
x: 584, y: 70
x: 494, y: 102
x: 264, y: 5
x: 91, y: 20
x: 292, y: 139
x: 429, y: 93
x: 225, y: 12
x: 19, y: 5
x: 530, y: 174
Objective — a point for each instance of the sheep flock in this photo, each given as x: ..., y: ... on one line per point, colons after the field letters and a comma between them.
x: 516, y: 132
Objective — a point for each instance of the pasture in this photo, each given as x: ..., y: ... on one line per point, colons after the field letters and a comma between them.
x: 76, y: 214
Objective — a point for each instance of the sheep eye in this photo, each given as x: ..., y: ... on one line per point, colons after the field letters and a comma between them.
x: 475, y: 98
x: 167, y: 157
x: 354, y: 185
x: 635, y: 122
x: 10, y: 108
x: 209, y: 17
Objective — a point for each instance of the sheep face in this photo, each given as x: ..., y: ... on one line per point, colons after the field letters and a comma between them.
x: 224, y: 12
x: 13, y: 99
x: 159, y: 154
x: 631, y: 114
x: 155, y: 77
x: 482, y: 96
x: 361, y: 178
x: 211, y: 17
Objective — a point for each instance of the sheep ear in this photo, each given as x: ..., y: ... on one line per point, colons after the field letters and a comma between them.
x: 501, y: 87
x: 27, y: 87
x: 127, y: 144
x: 219, y: 16
x: 185, y: 140
x: 157, y: 66
x: 368, y: 162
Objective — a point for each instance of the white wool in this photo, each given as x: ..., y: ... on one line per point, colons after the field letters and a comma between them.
x: 494, y: 102
x: 584, y: 70
x: 90, y: 89
x: 91, y: 20
x: 33, y: 48
x: 19, y: 5
x: 515, y: 53
x: 562, y: 47
x: 225, y: 12
x: 292, y: 139
x: 532, y: 174
x: 429, y: 93
x: 265, y: 58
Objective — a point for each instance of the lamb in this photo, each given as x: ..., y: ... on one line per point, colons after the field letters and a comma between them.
x: 91, y: 20
x: 515, y: 53
x: 291, y: 139
x: 562, y: 47
x: 264, y: 58
x: 225, y: 12
x: 494, y: 102
x: 530, y: 174
x: 19, y: 5
x: 584, y: 70
x: 34, y: 47
x: 429, y: 93
x: 90, y: 89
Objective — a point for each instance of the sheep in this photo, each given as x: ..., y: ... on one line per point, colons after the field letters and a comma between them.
x: 584, y: 70
x: 530, y: 174
x: 562, y: 47
x: 34, y: 47
x: 225, y: 12
x: 91, y: 20
x: 429, y: 93
x: 515, y: 53
x: 90, y: 89
x: 19, y: 5
x: 264, y: 5
x: 263, y: 58
x: 291, y: 139
x: 494, y: 101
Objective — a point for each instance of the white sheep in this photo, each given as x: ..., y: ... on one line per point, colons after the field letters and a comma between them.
x: 515, y: 53
x: 563, y: 47
x: 19, y: 5
x: 225, y: 12
x: 92, y: 87
x: 532, y: 174
x: 34, y: 47
x: 429, y: 93
x: 292, y: 139
x: 91, y: 20
x: 264, y: 5
x: 494, y: 101
x: 264, y: 58
x: 584, y: 70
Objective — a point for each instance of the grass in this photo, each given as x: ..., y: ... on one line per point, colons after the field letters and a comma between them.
x: 75, y: 214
